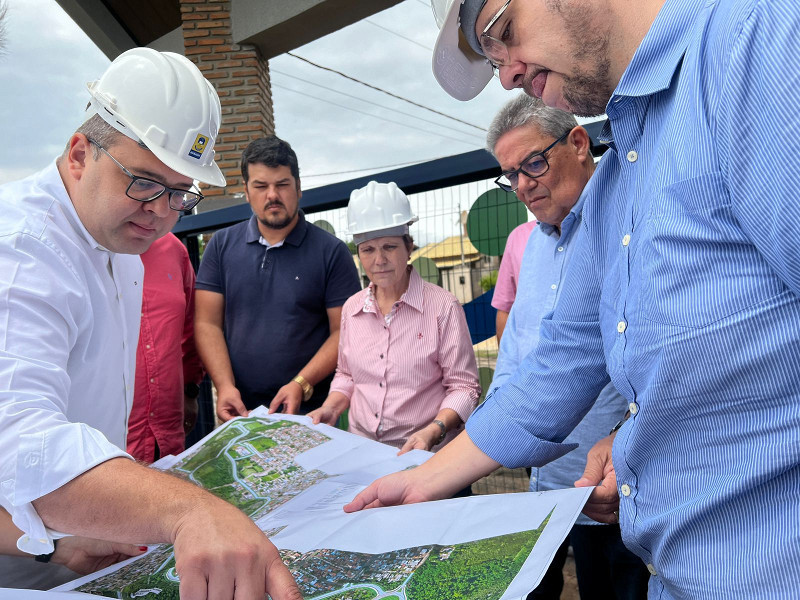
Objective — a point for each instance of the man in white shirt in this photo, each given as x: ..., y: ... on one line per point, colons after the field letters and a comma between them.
x: 70, y: 301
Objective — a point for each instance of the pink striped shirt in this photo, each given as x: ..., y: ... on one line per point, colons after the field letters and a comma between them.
x: 399, y: 376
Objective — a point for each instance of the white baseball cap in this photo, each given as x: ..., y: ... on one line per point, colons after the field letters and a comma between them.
x: 458, y: 62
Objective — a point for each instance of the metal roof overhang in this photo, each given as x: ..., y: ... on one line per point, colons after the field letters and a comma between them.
x: 443, y: 172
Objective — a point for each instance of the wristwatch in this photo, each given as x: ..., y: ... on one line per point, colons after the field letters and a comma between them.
x: 308, y: 389
x: 45, y: 558
x: 443, y: 427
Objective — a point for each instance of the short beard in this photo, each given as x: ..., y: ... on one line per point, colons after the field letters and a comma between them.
x: 277, y: 223
x: 587, y: 91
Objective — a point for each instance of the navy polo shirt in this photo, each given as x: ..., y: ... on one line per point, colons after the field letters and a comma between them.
x: 275, y: 302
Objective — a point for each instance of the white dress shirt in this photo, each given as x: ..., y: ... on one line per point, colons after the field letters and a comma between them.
x: 69, y: 325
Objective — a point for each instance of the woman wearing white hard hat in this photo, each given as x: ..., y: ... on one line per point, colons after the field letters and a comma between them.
x: 406, y: 367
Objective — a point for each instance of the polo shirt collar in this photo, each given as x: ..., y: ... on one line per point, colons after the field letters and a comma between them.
x: 658, y: 56
x: 295, y: 237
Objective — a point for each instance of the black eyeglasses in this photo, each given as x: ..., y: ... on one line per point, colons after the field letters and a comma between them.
x: 143, y: 189
x: 533, y: 166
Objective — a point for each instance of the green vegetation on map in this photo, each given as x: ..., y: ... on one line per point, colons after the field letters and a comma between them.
x: 479, y: 570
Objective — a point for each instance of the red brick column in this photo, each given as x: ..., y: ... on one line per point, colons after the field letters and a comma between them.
x: 241, y: 78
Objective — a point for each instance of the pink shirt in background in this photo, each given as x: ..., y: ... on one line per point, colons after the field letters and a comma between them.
x: 505, y: 289
x: 166, y: 357
x: 399, y: 376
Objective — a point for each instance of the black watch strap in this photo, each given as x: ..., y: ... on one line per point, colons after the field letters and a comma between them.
x: 45, y: 558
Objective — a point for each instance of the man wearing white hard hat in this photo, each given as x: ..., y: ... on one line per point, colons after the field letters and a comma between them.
x: 406, y: 369
x: 70, y: 299
x: 683, y: 290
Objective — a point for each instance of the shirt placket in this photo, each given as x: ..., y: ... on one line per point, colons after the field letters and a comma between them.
x: 383, y: 353
x: 626, y: 118
x: 128, y: 381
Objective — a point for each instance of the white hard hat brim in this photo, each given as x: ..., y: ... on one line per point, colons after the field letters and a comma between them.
x: 210, y: 174
x: 460, y: 71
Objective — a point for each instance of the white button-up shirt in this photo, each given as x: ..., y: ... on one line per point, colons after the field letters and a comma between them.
x: 69, y: 325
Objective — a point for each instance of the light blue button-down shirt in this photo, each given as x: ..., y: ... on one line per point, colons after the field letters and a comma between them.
x: 540, y: 280
x: 695, y: 315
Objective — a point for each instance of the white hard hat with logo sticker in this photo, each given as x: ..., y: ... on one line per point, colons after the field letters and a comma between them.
x: 458, y: 67
x: 378, y: 209
x: 163, y: 100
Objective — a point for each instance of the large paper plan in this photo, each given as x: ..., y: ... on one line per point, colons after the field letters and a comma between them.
x: 292, y: 478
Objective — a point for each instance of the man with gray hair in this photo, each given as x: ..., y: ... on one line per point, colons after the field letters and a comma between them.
x: 546, y: 160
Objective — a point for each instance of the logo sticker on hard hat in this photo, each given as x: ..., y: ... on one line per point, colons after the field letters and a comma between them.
x: 199, y: 146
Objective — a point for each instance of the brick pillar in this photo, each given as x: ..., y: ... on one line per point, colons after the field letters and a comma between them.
x: 241, y: 77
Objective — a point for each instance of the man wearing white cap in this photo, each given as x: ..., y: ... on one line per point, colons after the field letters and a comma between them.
x: 683, y: 290
x: 70, y: 299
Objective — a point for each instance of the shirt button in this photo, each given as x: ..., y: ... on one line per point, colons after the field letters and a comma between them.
x: 633, y: 156
x: 381, y: 384
x: 633, y: 408
x: 621, y: 326
x: 554, y: 286
x: 381, y: 355
x: 152, y: 414
x: 147, y: 346
x: 152, y: 380
x: 376, y: 415
x: 561, y: 248
x: 651, y: 568
x: 625, y: 489
x: 626, y: 240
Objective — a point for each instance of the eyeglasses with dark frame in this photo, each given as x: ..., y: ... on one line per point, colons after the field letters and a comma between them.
x: 143, y: 189
x: 534, y: 166
x: 495, y: 51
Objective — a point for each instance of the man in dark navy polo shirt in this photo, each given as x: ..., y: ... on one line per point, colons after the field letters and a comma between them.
x: 270, y: 293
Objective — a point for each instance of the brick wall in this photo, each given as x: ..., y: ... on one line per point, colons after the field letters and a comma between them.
x: 241, y: 78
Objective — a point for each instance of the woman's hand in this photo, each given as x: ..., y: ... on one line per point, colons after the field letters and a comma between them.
x: 330, y: 411
x: 424, y: 439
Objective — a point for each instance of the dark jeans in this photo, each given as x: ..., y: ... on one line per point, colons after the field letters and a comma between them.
x: 605, y: 568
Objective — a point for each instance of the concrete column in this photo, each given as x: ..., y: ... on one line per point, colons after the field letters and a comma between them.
x: 241, y: 78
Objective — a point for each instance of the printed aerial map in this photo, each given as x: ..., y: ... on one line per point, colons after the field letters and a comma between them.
x: 479, y: 548
x: 251, y: 463
x: 479, y: 570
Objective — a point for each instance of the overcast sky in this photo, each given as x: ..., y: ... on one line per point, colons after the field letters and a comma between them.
x: 48, y: 61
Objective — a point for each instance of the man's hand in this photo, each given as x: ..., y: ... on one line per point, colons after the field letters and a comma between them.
x: 86, y: 555
x: 190, y: 411
x: 391, y: 490
x: 229, y: 404
x: 290, y: 397
x: 603, y: 503
x: 424, y: 439
x: 219, y: 550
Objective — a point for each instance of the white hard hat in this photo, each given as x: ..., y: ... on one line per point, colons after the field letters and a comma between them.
x: 377, y: 210
x: 162, y: 100
x: 458, y: 63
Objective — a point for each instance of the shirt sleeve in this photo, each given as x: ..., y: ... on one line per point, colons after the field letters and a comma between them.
x: 457, y: 361
x: 505, y: 290
x: 343, y: 380
x: 209, y: 275
x: 759, y: 117
x: 192, y: 365
x: 42, y: 305
x: 342, y: 279
x: 523, y: 422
